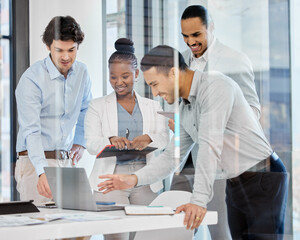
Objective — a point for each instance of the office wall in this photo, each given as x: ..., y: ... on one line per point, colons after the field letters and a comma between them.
x: 88, y: 15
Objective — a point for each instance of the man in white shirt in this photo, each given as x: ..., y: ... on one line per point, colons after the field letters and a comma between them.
x: 215, y: 114
x: 207, y: 53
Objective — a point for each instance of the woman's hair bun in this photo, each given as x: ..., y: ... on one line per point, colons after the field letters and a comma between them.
x: 124, y: 45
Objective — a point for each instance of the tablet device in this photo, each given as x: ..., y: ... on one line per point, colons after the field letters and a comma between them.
x: 17, y: 207
x: 111, y: 151
x: 167, y: 114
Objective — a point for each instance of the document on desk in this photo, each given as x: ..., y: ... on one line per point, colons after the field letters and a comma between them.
x: 111, y: 151
x: 149, y: 210
x: 13, y: 221
x: 81, y: 217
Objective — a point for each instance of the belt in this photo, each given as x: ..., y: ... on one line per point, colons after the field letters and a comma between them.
x: 56, y: 154
x: 262, y: 166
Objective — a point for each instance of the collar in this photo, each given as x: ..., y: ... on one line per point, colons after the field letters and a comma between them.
x: 205, y: 55
x: 194, y: 87
x: 113, y: 97
x: 53, y: 71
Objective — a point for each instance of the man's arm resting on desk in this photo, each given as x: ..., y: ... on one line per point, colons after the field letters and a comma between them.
x: 194, y: 214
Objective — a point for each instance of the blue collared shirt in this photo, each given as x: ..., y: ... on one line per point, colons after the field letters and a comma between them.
x: 49, y: 107
x: 134, y: 123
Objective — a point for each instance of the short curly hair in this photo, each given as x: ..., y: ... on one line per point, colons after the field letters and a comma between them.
x: 63, y: 28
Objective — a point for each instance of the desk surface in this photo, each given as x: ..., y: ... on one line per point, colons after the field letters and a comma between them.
x: 68, y: 229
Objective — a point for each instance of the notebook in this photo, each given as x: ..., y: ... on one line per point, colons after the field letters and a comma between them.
x: 149, y: 210
x: 111, y: 151
x: 71, y: 189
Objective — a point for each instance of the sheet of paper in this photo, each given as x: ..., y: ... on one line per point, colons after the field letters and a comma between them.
x: 80, y: 217
x: 13, y: 221
x: 167, y: 114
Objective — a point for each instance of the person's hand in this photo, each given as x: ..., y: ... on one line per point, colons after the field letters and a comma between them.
x: 76, y: 153
x: 120, y: 142
x: 140, y: 142
x: 117, y: 182
x: 171, y: 124
x: 43, y: 186
x: 194, y: 215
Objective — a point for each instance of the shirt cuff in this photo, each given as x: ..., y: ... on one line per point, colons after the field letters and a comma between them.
x: 199, y: 200
x: 80, y: 141
x: 151, y: 137
x: 39, y: 168
x: 141, y: 179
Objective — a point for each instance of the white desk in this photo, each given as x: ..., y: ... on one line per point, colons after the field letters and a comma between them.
x: 68, y: 229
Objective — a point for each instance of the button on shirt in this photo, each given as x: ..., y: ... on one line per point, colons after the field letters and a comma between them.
x: 49, y: 106
x: 224, y: 126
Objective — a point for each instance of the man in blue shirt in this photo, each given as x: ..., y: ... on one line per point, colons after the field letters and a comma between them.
x: 52, y: 99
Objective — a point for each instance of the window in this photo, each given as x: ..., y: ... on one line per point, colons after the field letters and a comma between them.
x: 5, y: 143
x: 115, y: 28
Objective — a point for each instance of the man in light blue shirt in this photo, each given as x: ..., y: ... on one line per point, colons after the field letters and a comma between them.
x: 52, y: 99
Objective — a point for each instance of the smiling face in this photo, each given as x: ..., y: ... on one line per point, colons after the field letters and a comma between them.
x: 161, y: 84
x: 196, y: 35
x: 63, y: 54
x: 121, y: 77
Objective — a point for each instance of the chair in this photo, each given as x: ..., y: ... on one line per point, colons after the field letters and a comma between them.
x: 172, y: 199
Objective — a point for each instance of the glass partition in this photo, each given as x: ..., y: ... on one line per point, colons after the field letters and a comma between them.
x: 5, y: 96
x: 259, y: 30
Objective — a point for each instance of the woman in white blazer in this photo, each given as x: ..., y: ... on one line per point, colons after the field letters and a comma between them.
x: 109, y: 118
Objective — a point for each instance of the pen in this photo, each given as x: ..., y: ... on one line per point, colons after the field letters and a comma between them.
x: 126, y: 135
x: 105, y: 203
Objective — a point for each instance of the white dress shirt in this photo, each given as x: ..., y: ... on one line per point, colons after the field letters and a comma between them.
x: 230, y: 138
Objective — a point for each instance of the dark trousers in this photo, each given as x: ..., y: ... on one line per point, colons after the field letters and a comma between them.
x: 185, y: 182
x: 256, y: 204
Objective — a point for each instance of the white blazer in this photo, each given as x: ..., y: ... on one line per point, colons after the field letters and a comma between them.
x: 101, y: 123
x: 233, y: 64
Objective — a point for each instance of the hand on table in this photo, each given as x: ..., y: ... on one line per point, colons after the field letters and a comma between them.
x: 117, y: 182
x: 76, y: 153
x: 43, y: 186
x: 194, y: 215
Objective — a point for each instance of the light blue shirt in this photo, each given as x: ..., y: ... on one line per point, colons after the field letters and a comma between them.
x: 49, y: 106
x: 134, y: 123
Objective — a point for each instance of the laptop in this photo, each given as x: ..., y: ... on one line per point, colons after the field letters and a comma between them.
x: 71, y: 189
